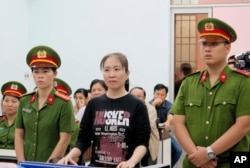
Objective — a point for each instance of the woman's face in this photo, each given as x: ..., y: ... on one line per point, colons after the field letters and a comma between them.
x: 97, y: 90
x: 43, y: 77
x: 10, y: 105
x: 114, y: 73
x: 80, y: 100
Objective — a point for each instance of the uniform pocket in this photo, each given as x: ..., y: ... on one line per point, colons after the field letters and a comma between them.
x: 193, y: 108
x: 224, y: 107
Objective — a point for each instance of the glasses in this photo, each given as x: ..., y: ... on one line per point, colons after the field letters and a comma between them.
x: 213, y: 44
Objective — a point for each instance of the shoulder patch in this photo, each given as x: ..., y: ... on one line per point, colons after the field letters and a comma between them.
x: 194, y: 73
x: 240, y: 71
x: 62, y: 96
x: 30, y: 93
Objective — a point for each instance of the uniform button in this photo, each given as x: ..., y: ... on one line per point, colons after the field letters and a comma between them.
x: 207, y: 122
x: 34, y: 133
x: 33, y: 154
x: 190, y: 104
x: 210, y: 93
x: 224, y: 103
x: 209, y: 107
x: 206, y: 137
x: 34, y: 144
x: 35, y: 123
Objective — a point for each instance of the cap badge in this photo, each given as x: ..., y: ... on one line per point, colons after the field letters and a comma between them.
x: 41, y: 54
x: 209, y: 26
x: 14, y: 86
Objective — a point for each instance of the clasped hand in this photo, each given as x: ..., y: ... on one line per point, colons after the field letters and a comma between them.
x: 200, y: 159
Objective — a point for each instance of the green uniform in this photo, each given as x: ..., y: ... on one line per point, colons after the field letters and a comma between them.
x: 75, y: 135
x: 6, y: 134
x: 211, y: 111
x: 42, y: 127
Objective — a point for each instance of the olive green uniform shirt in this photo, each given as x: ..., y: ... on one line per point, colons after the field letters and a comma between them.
x: 74, y: 135
x: 6, y: 134
x: 42, y: 127
x: 211, y: 111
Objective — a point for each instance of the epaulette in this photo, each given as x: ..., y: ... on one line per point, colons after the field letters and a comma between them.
x: 191, y: 74
x: 240, y: 71
x: 30, y: 93
x: 63, y: 96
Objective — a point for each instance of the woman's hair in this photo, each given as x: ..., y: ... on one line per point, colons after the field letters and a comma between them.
x: 83, y: 91
x: 11, y: 95
x: 121, y: 57
x: 101, y: 82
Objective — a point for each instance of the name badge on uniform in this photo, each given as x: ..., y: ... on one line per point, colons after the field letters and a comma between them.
x: 26, y: 110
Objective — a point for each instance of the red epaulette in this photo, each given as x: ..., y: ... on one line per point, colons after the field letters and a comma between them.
x: 240, y: 71
x: 63, y: 96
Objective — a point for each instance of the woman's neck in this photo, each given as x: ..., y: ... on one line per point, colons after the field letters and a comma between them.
x: 44, y: 93
x: 11, y: 118
x: 114, y: 94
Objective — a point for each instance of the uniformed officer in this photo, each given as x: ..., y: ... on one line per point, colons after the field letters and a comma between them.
x: 64, y: 88
x: 11, y: 91
x: 45, y: 117
x: 211, y: 110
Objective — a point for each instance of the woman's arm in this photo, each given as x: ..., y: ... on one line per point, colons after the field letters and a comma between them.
x: 138, y: 154
x: 71, y: 157
x: 61, y: 146
x: 19, y: 148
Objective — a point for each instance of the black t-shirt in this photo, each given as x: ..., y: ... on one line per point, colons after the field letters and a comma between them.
x: 116, y: 127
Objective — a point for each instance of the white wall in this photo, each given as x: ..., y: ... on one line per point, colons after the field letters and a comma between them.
x: 231, y: 15
x: 82, y: 32
x: 14, y: 39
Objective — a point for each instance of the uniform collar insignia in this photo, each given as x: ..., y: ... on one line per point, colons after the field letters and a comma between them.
x: 223, y: 77
x: 51, y: 99
x: 3, y: 117
x: 204, y: 77
x: 33, y: 98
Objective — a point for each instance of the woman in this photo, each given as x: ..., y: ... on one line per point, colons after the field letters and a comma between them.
x: 117, y: 122
x: 11, y: 91
x: 81, y: 98
x: 45, y: 117
x: 97, y: 87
